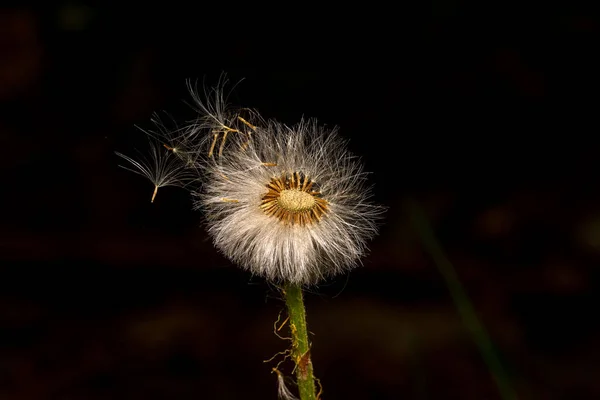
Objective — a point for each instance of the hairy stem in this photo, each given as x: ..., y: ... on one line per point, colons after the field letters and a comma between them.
x: 300, y: 343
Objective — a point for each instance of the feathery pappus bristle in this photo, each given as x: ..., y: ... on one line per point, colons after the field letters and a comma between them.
x: 162, y: 167
x: 283, y: 392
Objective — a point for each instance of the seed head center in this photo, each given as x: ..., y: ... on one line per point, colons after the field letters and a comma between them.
x: 295, y: 200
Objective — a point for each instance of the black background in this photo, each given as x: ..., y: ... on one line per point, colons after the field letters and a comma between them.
x: 487, y: 115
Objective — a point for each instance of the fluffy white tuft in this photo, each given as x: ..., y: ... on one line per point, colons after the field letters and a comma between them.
x: 283, y: 392
x: 163, y: 168
x: 235, y: 183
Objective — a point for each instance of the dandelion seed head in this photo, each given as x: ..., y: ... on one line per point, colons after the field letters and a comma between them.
x: 301, y: 210
x: 291, y: 200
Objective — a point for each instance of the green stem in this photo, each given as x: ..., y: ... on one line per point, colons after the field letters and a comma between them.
x: 461, y: 301
x: 300, y: 343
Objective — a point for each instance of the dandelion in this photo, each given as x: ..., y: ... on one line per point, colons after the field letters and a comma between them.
x: 288, y: 203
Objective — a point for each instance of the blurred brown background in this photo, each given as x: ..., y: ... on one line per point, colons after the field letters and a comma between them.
x: 486, y: 115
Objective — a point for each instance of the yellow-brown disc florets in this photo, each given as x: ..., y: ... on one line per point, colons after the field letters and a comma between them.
x: 292, y: 200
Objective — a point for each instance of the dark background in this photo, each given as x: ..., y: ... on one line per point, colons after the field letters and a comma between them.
x: 487, y: 115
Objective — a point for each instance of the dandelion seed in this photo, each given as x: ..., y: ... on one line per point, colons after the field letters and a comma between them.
x: 282, y: 390
x: 162, y: 168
